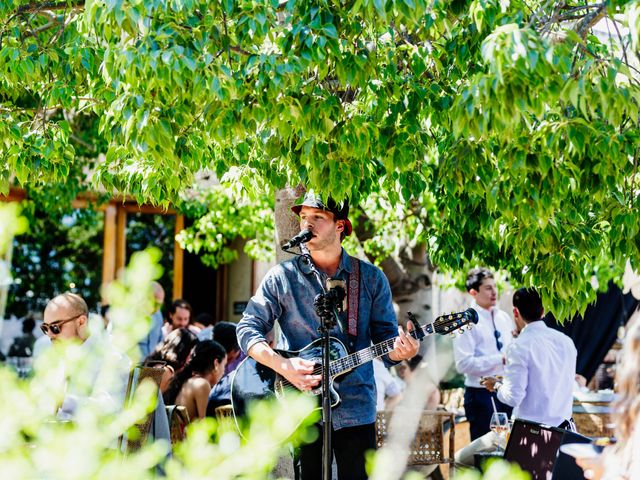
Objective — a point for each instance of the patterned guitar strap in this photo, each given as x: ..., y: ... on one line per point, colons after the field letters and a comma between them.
x: 353, y: 296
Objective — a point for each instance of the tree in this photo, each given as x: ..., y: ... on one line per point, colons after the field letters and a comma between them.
x: 509, y: 126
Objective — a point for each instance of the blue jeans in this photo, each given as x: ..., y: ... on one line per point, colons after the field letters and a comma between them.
x: 478, y: 409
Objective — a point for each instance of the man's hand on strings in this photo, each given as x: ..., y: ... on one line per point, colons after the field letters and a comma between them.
x: 300, y: 373
x: 405, y: 346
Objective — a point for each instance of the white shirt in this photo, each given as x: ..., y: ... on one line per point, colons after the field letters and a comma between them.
x: 475, y: 351
x: 539, y: 375
x: 101, y: 376
x: 386, y: 384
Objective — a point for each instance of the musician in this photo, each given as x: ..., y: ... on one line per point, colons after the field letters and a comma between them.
x: 287, y: 295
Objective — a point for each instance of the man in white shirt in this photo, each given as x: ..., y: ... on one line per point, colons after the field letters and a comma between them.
x: 541, y: 367
x: 102, y: 378
x: 480, y: 352
x: 388, y: 390
x: 539, y: 375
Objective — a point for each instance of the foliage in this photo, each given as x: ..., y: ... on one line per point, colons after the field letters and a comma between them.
x: 153, y: 230
x: 516, y: 118
x: 219, y: 217
x: 34, y: 445
x: 58, y: 254
x: 11, y: 224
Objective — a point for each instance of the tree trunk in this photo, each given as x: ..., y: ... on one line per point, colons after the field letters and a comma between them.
x: 287, y: 224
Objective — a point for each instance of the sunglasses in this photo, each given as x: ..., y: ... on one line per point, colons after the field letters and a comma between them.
x: 55, y: 326
x: 496, y: 334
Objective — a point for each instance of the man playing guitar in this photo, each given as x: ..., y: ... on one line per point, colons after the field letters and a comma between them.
x: 287, y: 294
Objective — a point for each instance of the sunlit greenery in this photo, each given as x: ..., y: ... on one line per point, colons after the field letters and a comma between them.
x: 514, y: 124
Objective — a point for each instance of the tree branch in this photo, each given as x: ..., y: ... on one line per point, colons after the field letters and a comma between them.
x: 34, y: 7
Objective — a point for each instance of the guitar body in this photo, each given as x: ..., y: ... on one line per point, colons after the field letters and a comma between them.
x: 253, y: 381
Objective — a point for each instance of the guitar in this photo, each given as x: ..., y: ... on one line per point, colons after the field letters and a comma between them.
x: 253, y: 381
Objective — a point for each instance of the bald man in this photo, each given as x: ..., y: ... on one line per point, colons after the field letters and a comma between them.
x: 66, y: 317
x: 101, y: 373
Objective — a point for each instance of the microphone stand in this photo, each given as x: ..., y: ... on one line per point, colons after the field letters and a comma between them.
x: 326, y: 308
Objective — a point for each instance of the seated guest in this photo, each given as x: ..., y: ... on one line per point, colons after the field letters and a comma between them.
x: 225, y: 333
x: 205, y: 322
x: 66, y: 318
x: 190, y: 387
x: 179, y: 317
x: 539, y: 373
x: 22, y: 346
x: 388, y: 389
x: 173, y: 352
x: 149, y: 342
x: 621, y: 460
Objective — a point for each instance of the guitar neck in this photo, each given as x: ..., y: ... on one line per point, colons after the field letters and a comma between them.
x: 349, y: 362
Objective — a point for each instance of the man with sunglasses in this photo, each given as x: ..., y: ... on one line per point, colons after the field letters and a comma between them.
x: 104, y: 372
x: 480, y: 352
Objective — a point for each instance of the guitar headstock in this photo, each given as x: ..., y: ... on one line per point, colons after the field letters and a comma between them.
x: 452, y: 322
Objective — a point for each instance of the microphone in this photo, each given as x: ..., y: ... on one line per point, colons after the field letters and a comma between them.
x: 303, y: 237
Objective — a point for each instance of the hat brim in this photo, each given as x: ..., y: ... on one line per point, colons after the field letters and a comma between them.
x: 348, y: 228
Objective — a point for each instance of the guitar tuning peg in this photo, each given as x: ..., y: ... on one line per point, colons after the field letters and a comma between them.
x: 452, y: 334
x: 469, y: 327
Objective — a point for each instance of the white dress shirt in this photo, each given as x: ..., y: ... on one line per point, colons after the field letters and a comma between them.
x: 539, y: 375
x: 100, y: 377
x: 386, y: 384
x: 475, y: 351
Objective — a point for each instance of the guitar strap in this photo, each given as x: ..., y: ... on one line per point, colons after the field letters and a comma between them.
x: 354, y: 296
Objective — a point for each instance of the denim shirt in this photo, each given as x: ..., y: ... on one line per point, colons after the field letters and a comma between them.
x: 287, y: 293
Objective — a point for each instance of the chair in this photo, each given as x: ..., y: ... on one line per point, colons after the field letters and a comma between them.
x: 130, y: 443
x: 224, y: 411
x: 178, y: 421
x: 428, y: 446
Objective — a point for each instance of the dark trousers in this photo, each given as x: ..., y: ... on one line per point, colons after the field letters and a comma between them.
x: 349, y: 446
x: 478, y: 409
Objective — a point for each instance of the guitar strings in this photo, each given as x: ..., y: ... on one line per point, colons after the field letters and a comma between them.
x: 354, y: 359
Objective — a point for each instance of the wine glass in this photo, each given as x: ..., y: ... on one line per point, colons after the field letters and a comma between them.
x: 500, y: 426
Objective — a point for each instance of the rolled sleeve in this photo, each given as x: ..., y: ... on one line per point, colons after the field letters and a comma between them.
x: 260, y: 315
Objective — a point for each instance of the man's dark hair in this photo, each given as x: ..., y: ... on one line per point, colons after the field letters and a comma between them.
x: 475, y: 278
x: 205, y: 319
x: 529, y: 303
x: 28, y: 324
x: 225, y: 334
x: 180, y: 303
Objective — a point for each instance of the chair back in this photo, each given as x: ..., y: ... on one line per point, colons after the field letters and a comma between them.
x: 178, y: 421
x: 428, y: 446
x: 132, y: 441
x: 224, y: 411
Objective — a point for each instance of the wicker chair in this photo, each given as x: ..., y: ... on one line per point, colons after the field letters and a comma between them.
x: 224, y: 411
x: 178, y: 421
x: 428, y: 446
x: 130, y: 443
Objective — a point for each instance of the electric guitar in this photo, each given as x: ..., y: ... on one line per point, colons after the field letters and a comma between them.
x: 253, y: 381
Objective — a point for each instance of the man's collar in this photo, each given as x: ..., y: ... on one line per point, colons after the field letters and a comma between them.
x: 476, y: 306
x: 345, y: 263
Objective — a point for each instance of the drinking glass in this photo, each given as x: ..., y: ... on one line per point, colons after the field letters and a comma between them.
x: 500, y: 425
